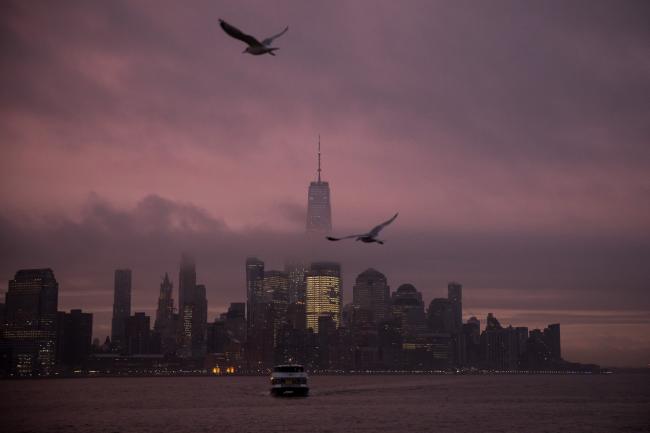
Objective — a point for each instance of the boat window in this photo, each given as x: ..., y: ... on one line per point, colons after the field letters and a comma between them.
x: 289, y: 369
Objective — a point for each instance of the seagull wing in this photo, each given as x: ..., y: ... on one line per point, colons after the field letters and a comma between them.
x: 269, y: 41
x: 374, y: 232
x: 238, y: 34
x: 331, y: 238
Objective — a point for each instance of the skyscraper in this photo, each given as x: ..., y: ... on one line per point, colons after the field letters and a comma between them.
x: 371, y: 295
x: 77, y: 333
x: 254, y: 286
x: 193, y: 310
x: 121, y: 307
x: 324, y: 293
x: 199, y: 322
x: 319, y: 211
x: 235, y: 321
x: 165, y: 311
x: 296, y: 273
x: 186, y: 281
x: 407, y: 309
x: 164, y: 325
x: 276, y: 293
x: 455, y: 296
x: 552, y: 339
x: 440, y: 316
x: 138, y: 334
x: 259, y: 332
x: 30, y: 326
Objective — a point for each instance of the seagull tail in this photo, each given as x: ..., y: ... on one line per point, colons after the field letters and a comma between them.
x: 381, y: 242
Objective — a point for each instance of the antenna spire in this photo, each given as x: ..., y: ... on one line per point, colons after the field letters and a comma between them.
x: 318, y: 158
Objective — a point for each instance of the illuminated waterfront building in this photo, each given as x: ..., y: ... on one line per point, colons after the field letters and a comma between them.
x: 324, y: 293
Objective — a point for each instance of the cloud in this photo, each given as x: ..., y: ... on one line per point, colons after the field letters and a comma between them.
x: 512, y: 139
x: 526, y: 279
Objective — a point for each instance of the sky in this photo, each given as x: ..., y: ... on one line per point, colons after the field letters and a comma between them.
x: 512, y: 137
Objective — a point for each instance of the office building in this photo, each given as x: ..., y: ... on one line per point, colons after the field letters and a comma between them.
x: 121, y: 307
x: 30, y: 324
x: 371, y: 296
x: 407, y: 309
x: 319, y: 211
x: 296, y: 273
x: 75, y: 337
x: 455, y: 297
x: 324, y: 293
x: 186, y: 281
x: 440, y: 316
x: 276, y: 293
x: 165, y: 325
x: 193, y: 313
x: 552, y: 340
x: 254, y: 287
x: 138, y: 334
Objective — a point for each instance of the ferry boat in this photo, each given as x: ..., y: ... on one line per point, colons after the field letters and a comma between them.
x: 289, y: 379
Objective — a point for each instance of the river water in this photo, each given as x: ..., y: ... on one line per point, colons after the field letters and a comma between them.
x: 543, y: 403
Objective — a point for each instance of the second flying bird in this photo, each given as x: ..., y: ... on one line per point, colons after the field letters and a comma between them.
x: 369, y: 237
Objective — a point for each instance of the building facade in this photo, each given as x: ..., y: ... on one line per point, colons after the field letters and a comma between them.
x: 371, y: 296
x: 165, y: 325
x: 324, y: 296
x: 121, y: 307
x: 29, y: 332
x: 319, y: 210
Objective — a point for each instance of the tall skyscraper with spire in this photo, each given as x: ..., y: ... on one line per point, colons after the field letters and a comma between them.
x: 319, y: 211
x: 164, y: 325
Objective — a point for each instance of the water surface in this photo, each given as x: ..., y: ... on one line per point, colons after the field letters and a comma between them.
x: 604, y: 403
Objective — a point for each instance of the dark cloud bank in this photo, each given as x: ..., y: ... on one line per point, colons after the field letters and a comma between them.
x: 533, y: 280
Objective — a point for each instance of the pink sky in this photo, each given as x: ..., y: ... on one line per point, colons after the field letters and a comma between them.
x: 511, y: 137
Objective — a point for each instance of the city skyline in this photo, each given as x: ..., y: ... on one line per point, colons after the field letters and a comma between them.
x: 514, y: 150
x: 443, y: 315
x: 380, y: 330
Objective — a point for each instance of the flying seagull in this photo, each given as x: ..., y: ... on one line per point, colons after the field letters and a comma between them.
x: 254, y: 47
x: 369, y: 237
